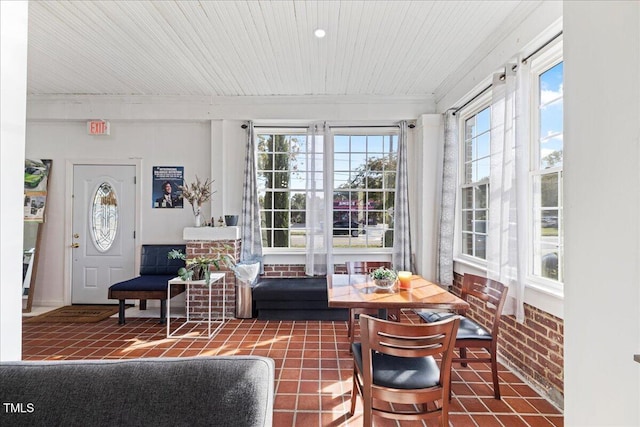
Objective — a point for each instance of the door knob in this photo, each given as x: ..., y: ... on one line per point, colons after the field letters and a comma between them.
x: 75, y: 245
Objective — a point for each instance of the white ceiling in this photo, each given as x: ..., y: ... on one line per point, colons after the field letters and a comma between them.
x: 260, y: 48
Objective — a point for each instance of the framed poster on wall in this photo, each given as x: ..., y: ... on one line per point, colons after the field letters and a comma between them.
x: 166, y: 183
x: 36, y: 177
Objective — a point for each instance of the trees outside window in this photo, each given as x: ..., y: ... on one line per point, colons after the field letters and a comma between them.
x: 281, y: 189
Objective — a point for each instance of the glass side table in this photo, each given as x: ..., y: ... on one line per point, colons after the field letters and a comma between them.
x: 188, y: 327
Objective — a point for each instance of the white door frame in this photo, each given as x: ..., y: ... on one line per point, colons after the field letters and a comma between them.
x: 68, y: 213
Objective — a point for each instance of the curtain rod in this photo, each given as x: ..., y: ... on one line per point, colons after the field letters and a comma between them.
x: 372, y: 126
x: 478, y: 95
x: 524, y: 60
x: 244, y: 126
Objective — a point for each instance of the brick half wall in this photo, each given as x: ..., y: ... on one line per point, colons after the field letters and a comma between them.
x: 198, y: 297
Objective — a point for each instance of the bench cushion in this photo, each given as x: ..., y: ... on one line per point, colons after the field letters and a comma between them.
x: 301, y: 298
x: 155, y: 261
x: 144, y: 283
x: 291, y: 289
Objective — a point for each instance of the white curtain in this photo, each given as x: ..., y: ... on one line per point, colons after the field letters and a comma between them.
x: 506, y: 241
x: 250, y: 231
x: 318, y: 224
x: 401, y: 224
x: 448, y: 205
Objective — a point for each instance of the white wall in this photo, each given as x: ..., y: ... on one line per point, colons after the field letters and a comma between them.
x: 602, y: 213
x: 13, y: 84
x: 155, y: 143
x: 426, y: 161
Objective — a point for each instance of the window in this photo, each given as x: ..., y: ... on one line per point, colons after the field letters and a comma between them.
x: 364, y: 182
x: 475, y: 184
x: 363, y: 188
x: 281, y: 188
x: 104, y: 217
x: 546, y: 175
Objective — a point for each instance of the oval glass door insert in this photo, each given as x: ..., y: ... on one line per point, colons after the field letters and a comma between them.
x: 104, y: 217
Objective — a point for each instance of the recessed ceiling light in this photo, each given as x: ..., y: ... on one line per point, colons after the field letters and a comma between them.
x: 320, y: 33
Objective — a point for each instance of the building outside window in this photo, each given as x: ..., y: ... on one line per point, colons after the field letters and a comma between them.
x: 364, y: 182
x: 363, y: 188
x: 475, y: 184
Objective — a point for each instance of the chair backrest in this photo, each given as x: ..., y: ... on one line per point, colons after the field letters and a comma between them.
x: 154, y: 260
x: 365, y: 267
x: 490, y: 291
x: 435, y: 339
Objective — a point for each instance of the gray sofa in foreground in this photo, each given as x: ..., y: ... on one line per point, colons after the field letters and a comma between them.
x: 216, y: 391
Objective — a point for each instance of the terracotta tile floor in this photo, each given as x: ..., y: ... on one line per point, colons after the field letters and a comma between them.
x: 313, y: 368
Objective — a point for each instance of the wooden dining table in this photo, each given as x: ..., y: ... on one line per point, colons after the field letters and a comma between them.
x: 359, y: 291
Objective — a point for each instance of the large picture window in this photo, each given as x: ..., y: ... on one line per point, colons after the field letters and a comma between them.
x: 362, y: 183
x: 475, y: 184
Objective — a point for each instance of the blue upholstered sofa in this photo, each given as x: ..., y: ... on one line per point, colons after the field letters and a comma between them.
x: 233, y: 391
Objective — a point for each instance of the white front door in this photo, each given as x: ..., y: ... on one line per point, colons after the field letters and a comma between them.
x: 103, y: 238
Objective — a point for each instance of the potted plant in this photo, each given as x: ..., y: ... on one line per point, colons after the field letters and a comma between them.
x: 196, y: 194
x: 384, y: 278
x: 199, y: 267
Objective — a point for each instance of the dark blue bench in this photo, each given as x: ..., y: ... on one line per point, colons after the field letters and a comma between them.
x: 301, y: 298
x: 156, y: 269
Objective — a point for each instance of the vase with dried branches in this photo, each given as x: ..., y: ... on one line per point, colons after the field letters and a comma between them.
x: 196, y: 194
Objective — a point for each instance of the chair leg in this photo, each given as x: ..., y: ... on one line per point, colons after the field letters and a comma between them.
x: 351, y: 328
x: 463, y: 355
x: 367, y: 414
x: 444, y: 415
x: 494, y: 371
x: 121, y: 309
x: 163, y: 311
x: 354, y: 394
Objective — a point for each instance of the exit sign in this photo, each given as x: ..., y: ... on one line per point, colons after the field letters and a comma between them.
x: 98, y: 127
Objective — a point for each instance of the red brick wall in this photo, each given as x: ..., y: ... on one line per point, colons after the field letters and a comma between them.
x: 199, y: 297
x: 293, y: 270
x: 283, y: 270
x: 534, y: 348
